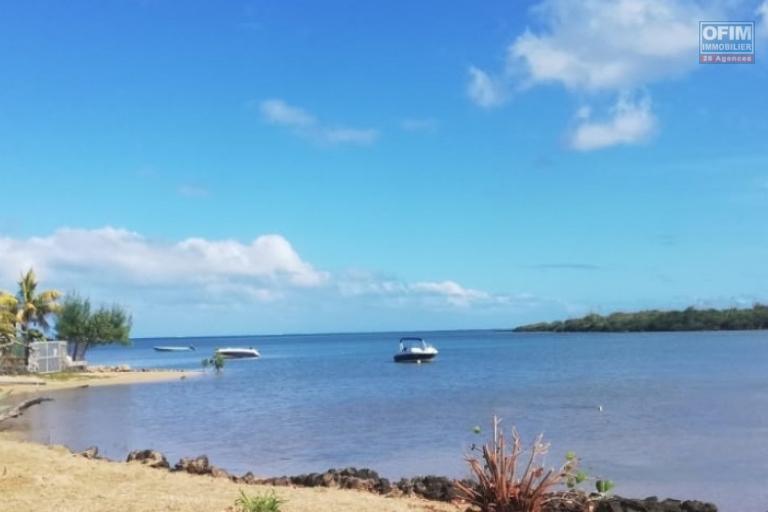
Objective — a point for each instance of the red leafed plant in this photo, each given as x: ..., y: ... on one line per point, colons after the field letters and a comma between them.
x: 507, y: 481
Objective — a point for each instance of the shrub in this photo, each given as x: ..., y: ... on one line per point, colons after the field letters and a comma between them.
x: 268, y: 502
x: 507, y: 480
x: 218, y: 362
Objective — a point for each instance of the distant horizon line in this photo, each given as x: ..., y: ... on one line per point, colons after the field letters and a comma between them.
x: 331, y: 333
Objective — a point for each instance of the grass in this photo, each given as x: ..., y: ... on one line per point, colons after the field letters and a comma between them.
x: 67, y: 376
x: 268, y: 502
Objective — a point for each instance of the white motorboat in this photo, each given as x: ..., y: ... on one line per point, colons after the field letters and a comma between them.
x: 173, y: 348
x: 238, y: 353
x: 415, y: 350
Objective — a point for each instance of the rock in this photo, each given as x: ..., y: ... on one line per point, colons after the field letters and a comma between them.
x: 151, y: 458
x: 197, y: 466
x: 431, y: 487
x: 328, y: 479
x: 697, y: 506
x: 355, y: 483
x: 405, y: 485
x: 652, y: 504
x: 383, y: 486
x: 248, y: 478
x: 90, y: 453
x: 220, y: 473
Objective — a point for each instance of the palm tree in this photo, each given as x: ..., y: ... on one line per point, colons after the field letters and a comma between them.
x: 33, y: 309
x: 8, y: 305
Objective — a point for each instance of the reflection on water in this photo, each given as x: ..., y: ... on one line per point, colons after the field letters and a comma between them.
x: 683, y: 414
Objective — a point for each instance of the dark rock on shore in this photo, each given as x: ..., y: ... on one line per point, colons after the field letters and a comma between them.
x: 652, y: 504
x: 248, y: 478
x: 431, y: 487
x: 348, y: 478
x: 222, y: 473
x: 196, y: 466
x: 90, y: 453
x: 151, y: 458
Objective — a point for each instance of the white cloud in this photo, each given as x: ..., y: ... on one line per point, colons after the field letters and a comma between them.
x: 618, y: 45
x: 278, y: 112
x: 631, y: 122
x: 762, y: 19
x: 429, y: 294
x: 602, y: 51
x: 123, y: 265
x: 484, y: 90
x: 108, y: 256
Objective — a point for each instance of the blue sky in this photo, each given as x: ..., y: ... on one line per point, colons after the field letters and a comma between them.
x: 253, y: 167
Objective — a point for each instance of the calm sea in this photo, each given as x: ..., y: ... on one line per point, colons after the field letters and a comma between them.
x: 684, y: 414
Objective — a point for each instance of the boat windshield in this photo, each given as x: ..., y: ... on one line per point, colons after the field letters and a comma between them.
x: 409, y: 343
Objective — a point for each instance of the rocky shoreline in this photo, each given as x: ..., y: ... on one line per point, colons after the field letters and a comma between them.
x: 430, y: 487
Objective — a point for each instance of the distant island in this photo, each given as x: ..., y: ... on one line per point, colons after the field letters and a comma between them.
x: 690, y: 319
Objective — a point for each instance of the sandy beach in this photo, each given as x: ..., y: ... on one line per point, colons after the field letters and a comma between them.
x: 43, y: 384
x: 36, y: 478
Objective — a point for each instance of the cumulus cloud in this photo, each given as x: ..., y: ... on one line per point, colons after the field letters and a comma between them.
x: 108, y: 257
x: 430, y: 294
x: 631, y: 122
x: 124, y: 265
x: 599, y: 48
x: 301, y: 122
x: 484, y: 90
x: 762, y: 19
x: 618, y: 45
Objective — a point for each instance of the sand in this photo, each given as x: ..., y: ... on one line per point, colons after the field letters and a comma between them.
x: 45, y: 384
x: 36, y: 478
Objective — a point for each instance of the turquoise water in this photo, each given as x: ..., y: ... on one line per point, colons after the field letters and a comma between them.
x: 684, y: 414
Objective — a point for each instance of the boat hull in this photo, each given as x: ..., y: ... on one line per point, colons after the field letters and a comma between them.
x: 173, y: 349
x: 413, y: 358
x: 239, y: 354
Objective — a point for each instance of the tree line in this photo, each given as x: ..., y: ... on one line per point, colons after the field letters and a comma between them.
x: 689, y: 319
x: 31, y: 315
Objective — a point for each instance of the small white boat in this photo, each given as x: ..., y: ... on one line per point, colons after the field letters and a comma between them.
x: 238, y: 353
x: 415, y: 350
x: 169, y: 348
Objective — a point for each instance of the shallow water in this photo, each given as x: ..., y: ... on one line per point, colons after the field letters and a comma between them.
x: 684, y: 414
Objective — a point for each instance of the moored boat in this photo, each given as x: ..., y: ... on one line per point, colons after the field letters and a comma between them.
x: 238, y: 353
x: 169, y: 348
x: 415, y: 350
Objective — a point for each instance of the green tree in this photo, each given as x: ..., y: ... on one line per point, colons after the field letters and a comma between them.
x: 689, y: 319
x: 33, y: 309
x: 83, y: 328
x: 8, y: 305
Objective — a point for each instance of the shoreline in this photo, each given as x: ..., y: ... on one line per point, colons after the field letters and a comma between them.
x: 37, y: 473
x: 18, y: 385
x: 51, y: 478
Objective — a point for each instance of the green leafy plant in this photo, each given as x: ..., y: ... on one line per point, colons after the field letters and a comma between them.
x: 268, y: 502
x: 218, y: 362
x: 506, y: 480
x: 604, y: 487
